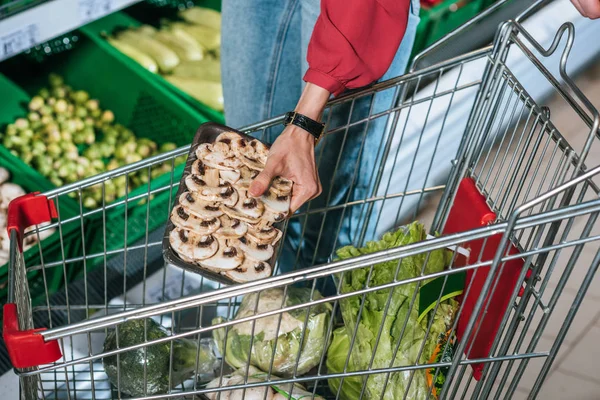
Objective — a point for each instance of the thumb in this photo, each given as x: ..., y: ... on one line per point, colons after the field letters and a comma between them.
x: 261, y: 183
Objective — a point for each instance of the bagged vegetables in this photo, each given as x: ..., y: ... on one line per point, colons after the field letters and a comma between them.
x: 154, y: 364
x: 408, y: 341
x: 300, y: 338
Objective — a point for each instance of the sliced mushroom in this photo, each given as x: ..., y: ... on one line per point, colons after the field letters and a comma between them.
x: 251, y: 153
x: 194, y: 183
x: 247, y: 175
x: 257, y: 251
x: 10, y: 191
x: 216, y: 159
x: 223, y: 148
x: 277, y: 203
x: 247, y: 208
x: 210, y: 176
x: 181, y: 218
x: 231, y: 228
x: 281, y: 186
x: 228, y: 257
x: 264, y: 235
x: 272, y: 217
x: 224, y: 193
x: 199, y: 207
x: 250, y: 270
x: 192, y: 246
x: 230, y: 176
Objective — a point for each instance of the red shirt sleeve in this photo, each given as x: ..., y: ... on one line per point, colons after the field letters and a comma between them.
x: 354, y: 42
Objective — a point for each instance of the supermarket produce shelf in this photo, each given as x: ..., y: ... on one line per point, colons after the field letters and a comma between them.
x: 42, y: 22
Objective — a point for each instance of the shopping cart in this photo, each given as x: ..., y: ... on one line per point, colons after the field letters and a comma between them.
x: 512, y: 191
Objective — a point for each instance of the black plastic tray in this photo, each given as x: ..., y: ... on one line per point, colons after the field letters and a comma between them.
x: 207, y: 133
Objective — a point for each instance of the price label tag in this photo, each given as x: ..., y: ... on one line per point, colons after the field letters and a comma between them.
x: 19, y: 40
x: 90, y: 10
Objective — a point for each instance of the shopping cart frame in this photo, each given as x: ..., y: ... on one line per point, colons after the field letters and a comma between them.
x: 519, y: 218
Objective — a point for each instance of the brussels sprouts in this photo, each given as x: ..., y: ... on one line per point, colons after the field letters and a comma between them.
x: 82, y: 112
x: 44, y: 93
x: 61, y: 106
x: 92, y: 105
x: 98, y: 165
x: 132, y: 158
x: 66, y: 136
x: 143, y: 150
x: 113, y: 164
x: 93, y: 152
x: 180, y: 160
x: 45, y: 110
x: 59, y: 92
x: 167, y: 146
x: 26, y: 134
x: 26, y: 157
x: 11, y: 130
x: 80, y: 96
x: 89, y: 202
x: 36, y: 103
x: 96, y: 115
x: 38, y: 148
x: 55, y: 80
x: 34, y: 117
x: 79, y: 137
x: 53, y: 150
x: 108, y: 116
x: 22, y: 123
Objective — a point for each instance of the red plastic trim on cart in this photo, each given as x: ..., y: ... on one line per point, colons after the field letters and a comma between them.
x: 28, y: 210
x: 470, y: 211
x: 27, y: 348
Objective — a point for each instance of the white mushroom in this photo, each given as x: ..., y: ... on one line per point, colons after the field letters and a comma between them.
x: 276, y: 203
x: 224, y: 193
x: 216, y: 159
x: 192, y: 246
x: 281, y: 186
x: 228, y: 257
x: 194, y: 183
x: 247, y: 208
x: 8, y: 192
x: 250, y: 270
x: 4, y: 175
x: 230, y: 176
x: 247, y: 175
x: 272, y: 217
x: 257, y: 251
x: 231, y: 228
x: 264, y: 235
x: 181, y: 218
x: 199, y: 207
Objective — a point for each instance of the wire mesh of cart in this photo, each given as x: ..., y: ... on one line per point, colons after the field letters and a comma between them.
x: 517, y: 210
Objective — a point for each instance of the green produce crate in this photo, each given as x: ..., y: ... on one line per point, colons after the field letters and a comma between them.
x: 13, y: 100
x: 97, y: 32
x: 438, y: 21
x: 143, y: 105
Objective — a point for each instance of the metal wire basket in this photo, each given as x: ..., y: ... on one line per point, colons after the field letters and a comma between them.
x: 509, y: 187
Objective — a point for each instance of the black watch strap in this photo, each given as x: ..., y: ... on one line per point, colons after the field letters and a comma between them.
x: 302, y: 121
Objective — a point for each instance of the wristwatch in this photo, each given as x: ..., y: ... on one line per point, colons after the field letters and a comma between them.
x: 311, y: 126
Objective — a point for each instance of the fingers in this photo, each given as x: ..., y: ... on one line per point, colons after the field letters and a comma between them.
x: 304, y: 192
x: 577, y: 5
x: 263, y: 180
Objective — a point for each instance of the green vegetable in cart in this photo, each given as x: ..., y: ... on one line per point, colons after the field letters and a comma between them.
x: 128, y: 370
x: 202, y: 16
x: 389, y: 316
x: 207, y: 92
x: 165, y: 58
x: 300, y: 339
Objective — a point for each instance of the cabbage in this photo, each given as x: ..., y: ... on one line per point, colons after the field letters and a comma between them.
x: 283, y: 346
x: 374, y: 315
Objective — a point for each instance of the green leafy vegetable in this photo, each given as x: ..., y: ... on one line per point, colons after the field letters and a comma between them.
x: 391, y: 321
x: 128, y: 372
x: 278, y: 337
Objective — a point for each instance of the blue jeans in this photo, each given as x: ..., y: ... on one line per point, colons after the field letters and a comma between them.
x: 264, y: 45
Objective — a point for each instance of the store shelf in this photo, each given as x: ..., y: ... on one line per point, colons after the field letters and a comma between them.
x: 45, y: 21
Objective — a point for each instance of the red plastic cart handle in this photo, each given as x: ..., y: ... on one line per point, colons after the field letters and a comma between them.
x: 27, y: 348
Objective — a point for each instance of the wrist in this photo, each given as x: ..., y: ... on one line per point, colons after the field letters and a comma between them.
x: 312, y: 101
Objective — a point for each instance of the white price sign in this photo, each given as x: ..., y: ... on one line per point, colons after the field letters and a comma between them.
x: 90, y: 10
x: 18, y: 41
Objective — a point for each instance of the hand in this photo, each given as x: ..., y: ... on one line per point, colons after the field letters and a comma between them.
x: 292, y: 155
x: 588, y: 8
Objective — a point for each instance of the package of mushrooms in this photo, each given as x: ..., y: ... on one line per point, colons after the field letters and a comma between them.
x: 215, y: 228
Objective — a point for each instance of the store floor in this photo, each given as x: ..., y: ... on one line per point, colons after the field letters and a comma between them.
x: 574, y: 373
